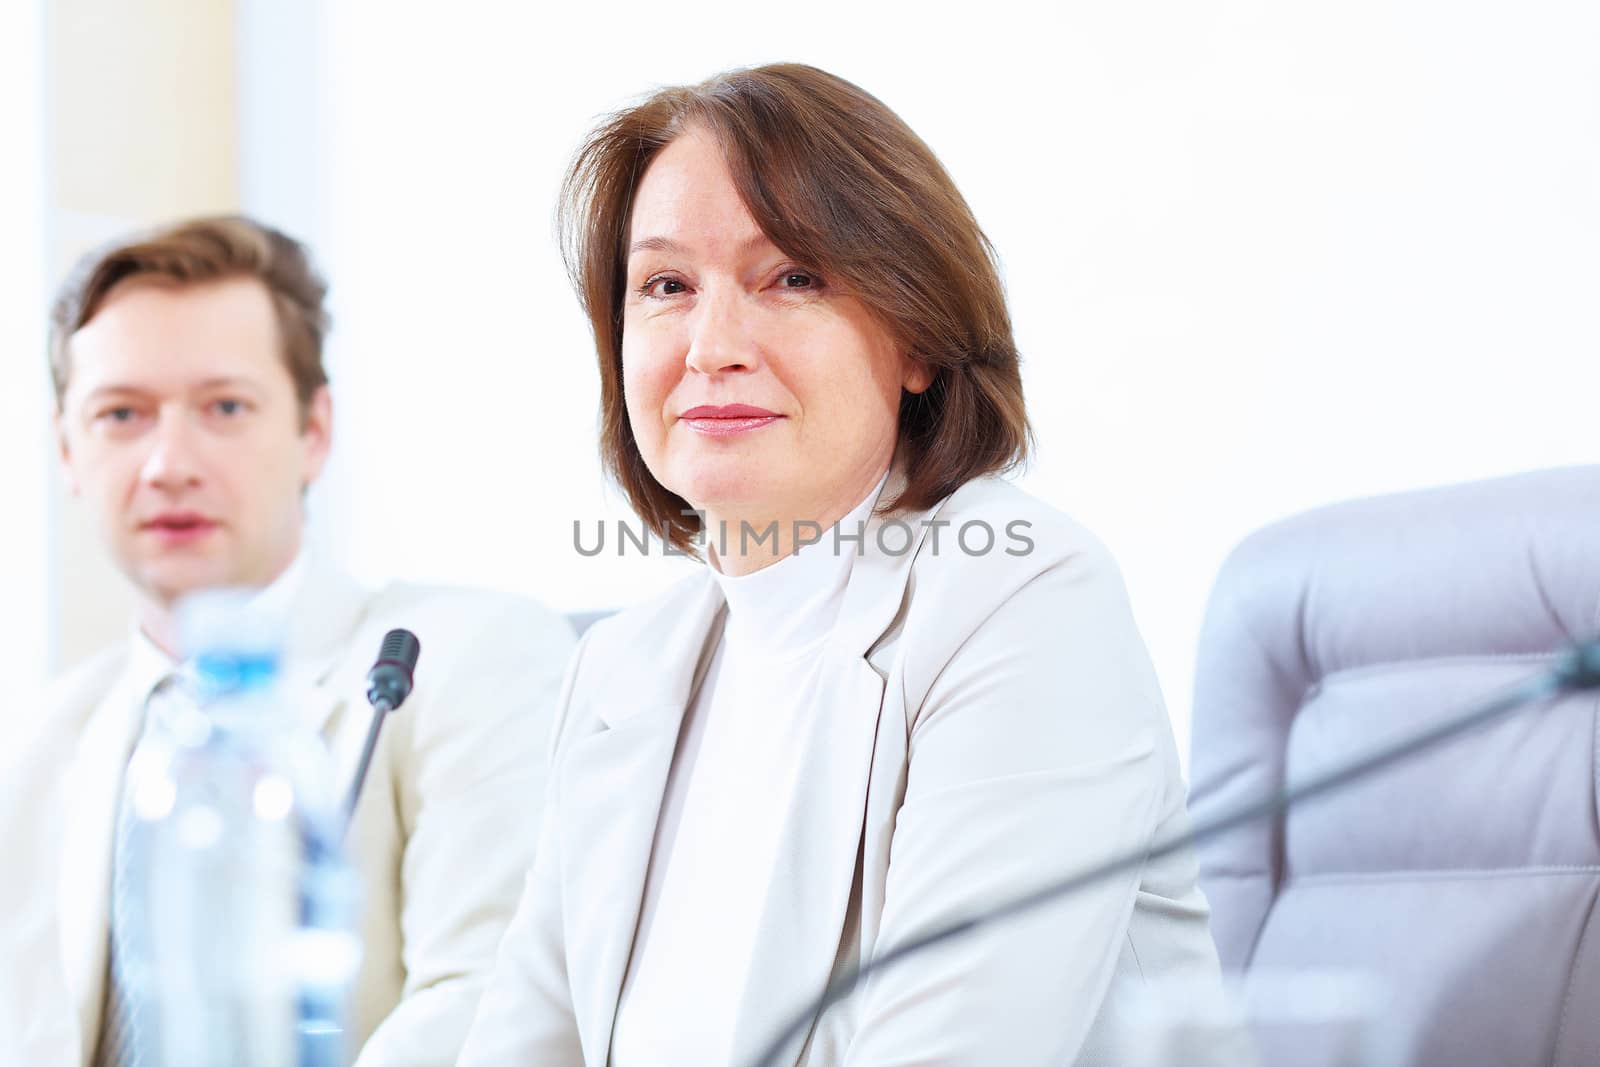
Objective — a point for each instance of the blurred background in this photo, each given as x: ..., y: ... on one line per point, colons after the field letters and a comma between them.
x: 1261, y: 256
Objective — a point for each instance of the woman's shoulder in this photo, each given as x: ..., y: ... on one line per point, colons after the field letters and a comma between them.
x: 642, y: 624
x: 1045, y: 579
x: 992, y: 533
x: 621, y: 657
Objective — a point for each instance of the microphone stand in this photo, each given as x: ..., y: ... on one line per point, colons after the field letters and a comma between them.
x: 380, y: 710
x: 1578, y: 669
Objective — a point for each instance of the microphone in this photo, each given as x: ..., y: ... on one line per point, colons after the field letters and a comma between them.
x: 1577, y: 669
x: 388, y: 684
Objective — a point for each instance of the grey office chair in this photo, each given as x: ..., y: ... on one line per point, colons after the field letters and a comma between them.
x: 1465, y: 880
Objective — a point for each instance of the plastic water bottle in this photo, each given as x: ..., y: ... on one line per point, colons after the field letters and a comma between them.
x: 239, y: 924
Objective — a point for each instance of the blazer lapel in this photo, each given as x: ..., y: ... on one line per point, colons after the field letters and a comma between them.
x: 322, y: 696
x: 609, y: 791
x: 328, y: 608
x: 91, y: 791
x: 808, y: 905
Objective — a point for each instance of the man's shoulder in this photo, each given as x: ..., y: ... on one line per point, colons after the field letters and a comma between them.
x: 445, y: 600
x: 456, y: 621
x: 82, y: 686
x: 487, y: 657
x: 50, y: 719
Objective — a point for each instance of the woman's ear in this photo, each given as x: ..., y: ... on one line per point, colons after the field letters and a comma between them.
x: 915, y: 375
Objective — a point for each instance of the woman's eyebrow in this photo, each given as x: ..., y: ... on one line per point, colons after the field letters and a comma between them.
x: 671, y: 247
x: 656, y: 244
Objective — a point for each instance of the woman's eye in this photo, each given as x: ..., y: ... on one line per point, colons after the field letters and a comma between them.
x: 660, y: 286
x: 228, y: 407
x: 799, y: 279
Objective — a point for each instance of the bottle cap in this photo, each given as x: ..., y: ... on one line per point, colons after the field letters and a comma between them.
x: 233, y: 642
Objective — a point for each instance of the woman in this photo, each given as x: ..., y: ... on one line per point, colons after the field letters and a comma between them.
x: 901, y: 688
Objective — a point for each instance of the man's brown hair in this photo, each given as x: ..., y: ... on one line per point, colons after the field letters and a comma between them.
x: 835, y: 179
x: 191, y: 253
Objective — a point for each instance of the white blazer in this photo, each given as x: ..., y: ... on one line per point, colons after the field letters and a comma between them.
x: 999, y: 723
x: 441, y: 834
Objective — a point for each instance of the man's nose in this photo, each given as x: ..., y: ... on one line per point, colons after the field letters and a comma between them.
x: 174, y: 459
x: 721, y: 337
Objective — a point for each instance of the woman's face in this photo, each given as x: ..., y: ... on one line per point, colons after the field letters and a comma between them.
x: 756, y: 391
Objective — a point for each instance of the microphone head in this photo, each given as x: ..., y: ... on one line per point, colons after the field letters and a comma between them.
x: 390, y: 679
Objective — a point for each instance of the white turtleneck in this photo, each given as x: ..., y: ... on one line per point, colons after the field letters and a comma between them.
x: 730, y: 786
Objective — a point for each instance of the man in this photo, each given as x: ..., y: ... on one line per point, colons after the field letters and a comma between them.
x: 192, y: 413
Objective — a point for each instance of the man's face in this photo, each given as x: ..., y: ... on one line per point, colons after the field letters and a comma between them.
x: 181, y: 430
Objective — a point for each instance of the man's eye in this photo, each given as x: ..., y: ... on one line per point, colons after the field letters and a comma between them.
x: 229, y: 407
x: 122, y: 414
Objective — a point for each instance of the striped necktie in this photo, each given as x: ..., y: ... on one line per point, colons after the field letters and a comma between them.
x: 128, y: 1026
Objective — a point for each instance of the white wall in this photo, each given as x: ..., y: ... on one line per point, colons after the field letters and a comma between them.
x: 1261, y: 256
x: 284, y: 163
x: 26, y: 611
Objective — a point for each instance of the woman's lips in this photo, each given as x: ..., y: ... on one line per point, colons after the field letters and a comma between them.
x: 727, y: 420
x: 729, y: 427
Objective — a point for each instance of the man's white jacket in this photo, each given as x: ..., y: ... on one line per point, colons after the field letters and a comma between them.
x: 443, y: 834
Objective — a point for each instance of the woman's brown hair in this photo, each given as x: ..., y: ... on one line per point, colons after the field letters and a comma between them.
x: 836, y: 180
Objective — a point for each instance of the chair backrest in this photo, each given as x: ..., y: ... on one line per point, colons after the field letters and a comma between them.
x: 1465, y: 880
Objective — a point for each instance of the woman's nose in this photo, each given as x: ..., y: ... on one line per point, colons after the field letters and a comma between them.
x: 720, y: 337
